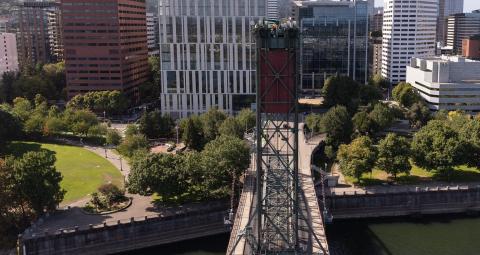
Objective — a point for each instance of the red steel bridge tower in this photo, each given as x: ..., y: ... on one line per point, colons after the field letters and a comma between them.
x: 279, y: 223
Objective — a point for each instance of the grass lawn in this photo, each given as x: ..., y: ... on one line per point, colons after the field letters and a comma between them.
x: 417, y: 175
x: 83, y: 171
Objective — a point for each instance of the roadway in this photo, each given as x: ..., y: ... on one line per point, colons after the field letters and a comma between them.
x: 310, y: 216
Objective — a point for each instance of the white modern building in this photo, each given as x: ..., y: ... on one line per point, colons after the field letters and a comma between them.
x: 445, y: 9
x: 447, y: 82
x: 152, y: 35
x: 207, y: 54
x: 273, y: 11
x: 409, y: 30
x: 8, y: 53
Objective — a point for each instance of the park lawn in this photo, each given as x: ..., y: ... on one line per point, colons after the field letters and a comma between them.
x: 417, y: 175
x: 83, y: 171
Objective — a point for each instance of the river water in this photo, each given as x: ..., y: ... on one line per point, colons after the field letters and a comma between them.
x: 438, y: 235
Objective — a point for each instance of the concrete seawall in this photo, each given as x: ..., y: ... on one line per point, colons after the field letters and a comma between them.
x: 421, y: 201
x: 122, y: 236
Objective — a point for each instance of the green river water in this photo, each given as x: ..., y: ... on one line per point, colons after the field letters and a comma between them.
x: 439, y: 235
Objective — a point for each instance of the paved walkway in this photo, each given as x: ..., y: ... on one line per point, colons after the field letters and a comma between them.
x: 141, y: 205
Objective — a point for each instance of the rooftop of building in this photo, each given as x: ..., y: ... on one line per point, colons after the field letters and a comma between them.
x: 447, y: 58
x: 324, y: 2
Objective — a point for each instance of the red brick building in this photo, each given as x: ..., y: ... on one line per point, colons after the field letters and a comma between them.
x: 105, y: 45
x: 471, y: 47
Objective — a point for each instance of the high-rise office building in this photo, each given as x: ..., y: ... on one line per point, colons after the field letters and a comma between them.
x: 445, y: 9
x: 376, y: 20
x: 152, y: 35
x: 471, y: 47
x: 461, y: 26
x: 334, y: 41
x: 409, y: 30
x: 37, y: 41
x: 207, y: 54
x: 8, y: 53
x: 105, y: 45
x: 273, y: 9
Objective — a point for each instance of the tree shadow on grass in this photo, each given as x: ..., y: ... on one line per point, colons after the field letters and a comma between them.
x: 459, y: 175
x: 17, y: 149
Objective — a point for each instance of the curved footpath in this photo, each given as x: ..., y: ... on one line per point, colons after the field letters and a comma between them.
x: 74, y: 216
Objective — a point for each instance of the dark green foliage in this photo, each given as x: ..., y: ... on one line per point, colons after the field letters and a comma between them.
x: 470, y: 134
x: 418, y: 115
x: 247, y: 119
x: 370, y: 93
x: 338, y: 126
x: 313, y: 122
x: 357, y: 158
x: 80, y: 121
x: 10, y: 127
x: 149, y: 92
x: 341, y: 90
x: 405, y: 94
x: 132, y: 144
x: 37, y: 182
x: 382, y: 116
x: 131, y: 130
x: 362, y: 123
x: 7, y: 87
x: 113, y: 137
x: 211, y: 122
x: 192, y: 133
x: 437, y: 147
x: 192, y: 176
x: 153, y: 125
x: 379, y: 82
x: 110, y: 102
x: 231, y: 127
x: 112, y: 194
x: 394, y: 154
x: 29, y: 86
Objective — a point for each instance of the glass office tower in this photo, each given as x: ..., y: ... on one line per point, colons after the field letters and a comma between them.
x: 334, y: 41
x: 207, y: 54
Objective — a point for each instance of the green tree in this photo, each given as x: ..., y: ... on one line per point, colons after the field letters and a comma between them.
x: 226, y: 159
x: 37, y: 182
x: 110, y: 102
x: 437, y: 147
x: 7, y: 87
x: 55, y: 73
x: 211, y: 122
x: 362, y: 123
x: 470, y: 135
x: 53, y: 125
x: 10, y: 128
x: 341, y: 90
x: 192, y: 133
x: 154, y: 125
x: 382, y: 116
x: 80, y: 121
x: 338, y: 126
x: 394, y: 154
x: 22, y: 108
x: 378, y: 81
x: 29, y: 86
x: 113, y: 137
x: 232, y: 127
x: 369, y: 93
x: 160, y: 173
x: 418, y: 115
x: 131, y: 130
x: 149, y: 92
x: 247, y: 119
x: 405, y: 94
x: 313, y: 122
x: 458, y: 119
x: 132, y: 144
x: 357, y: 157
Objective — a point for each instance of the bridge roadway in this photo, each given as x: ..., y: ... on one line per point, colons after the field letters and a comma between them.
x: 311, y: 209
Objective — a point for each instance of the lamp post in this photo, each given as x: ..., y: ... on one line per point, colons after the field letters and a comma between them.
x: 121, y: 165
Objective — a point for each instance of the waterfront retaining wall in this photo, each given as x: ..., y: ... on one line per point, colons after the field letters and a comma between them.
x: 437, y: 200
x: 136, y: 233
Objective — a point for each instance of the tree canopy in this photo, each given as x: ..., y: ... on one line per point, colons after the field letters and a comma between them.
x: 405, y: 94
x: 341, y: 90
x: 357, y: 157
x: 155, y: 125
x: 110, y: 102
x: 394, y: 154
x: 338, y: 126
x: 437, y: 147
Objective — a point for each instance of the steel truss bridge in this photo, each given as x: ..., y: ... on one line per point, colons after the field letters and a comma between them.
x: 278, y: 212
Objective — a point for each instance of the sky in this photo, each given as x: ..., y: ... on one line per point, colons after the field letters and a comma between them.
x: 469, y: 5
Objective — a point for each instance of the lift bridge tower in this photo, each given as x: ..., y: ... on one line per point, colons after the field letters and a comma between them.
x: 278, y: 220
